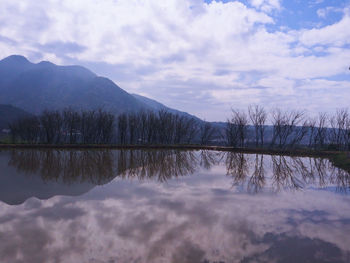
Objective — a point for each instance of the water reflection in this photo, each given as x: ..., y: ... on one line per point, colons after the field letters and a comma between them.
x: 251, y: 172
x: 234, y: 208
x: 69, y: 166
x: 99, y: 167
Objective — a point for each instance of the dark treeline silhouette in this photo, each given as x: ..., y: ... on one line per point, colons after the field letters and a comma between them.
x: 288, y: 129
x: 255, y: 128
x: 160, y: 127
x: 252, y: 172
x: 67, y: 126
x: 101, y: 127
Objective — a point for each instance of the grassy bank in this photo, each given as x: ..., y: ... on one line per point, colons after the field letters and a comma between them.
x: 341, y: 160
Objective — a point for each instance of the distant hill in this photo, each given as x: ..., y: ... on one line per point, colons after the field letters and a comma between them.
x: 35, y: 87
x: 9, y: 114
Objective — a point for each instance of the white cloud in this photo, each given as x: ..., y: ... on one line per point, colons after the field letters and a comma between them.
x: 336, y: 34
x: 266, y: 5
x: 180, y: 47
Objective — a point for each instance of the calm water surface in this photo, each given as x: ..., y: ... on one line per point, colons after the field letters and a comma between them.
x: 171, y: 206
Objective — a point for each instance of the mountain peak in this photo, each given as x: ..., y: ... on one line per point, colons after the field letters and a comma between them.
x: 46, y: 63
x: 16, y: 58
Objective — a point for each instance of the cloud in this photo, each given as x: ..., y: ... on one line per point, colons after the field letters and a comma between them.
x: 266, y: 5
x: 334, y: 35
x: 209, y: 216
x: 171, y: 49
x: 61, y: 49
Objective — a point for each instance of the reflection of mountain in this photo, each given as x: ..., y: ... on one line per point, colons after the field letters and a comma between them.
x: 17, y: 188
x: 46, y: 173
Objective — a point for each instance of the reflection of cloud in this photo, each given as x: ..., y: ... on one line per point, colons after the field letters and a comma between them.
x: 58, y: 212
x: 22, y: 240
x: 291, y: 249
x: 174, y: 225
x: 188, y: 252
x: 198, y: 218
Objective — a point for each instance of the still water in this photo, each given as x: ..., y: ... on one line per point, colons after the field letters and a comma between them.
x: 171, y: 206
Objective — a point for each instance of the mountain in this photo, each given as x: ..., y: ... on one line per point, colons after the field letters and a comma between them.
x: 9, y: 114
x: 36, y: 87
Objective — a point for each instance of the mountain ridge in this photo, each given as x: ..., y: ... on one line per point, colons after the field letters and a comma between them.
x: 35, y: 87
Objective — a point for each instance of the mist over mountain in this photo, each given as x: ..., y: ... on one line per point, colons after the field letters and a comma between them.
x: 36, y: 87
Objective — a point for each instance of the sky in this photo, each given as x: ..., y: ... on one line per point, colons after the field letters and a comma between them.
x: 203, y: 57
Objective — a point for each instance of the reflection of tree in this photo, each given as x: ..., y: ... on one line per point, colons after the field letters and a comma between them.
x: 319, y: 168
x: 257, y: 179
x: 237, y: 167
x: 340, y: 178
x: 100, y: 166
x: 209, y: 158
x: 284, y: 175
x: 160, y: 165
x: 68, y: 166
x: 287, y: 172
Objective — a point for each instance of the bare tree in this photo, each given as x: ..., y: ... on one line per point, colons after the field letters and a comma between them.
x: 311, y: 124
x: 51, y: 122
x: 207, y: 132
x: 321, y: 131
x: 338, y: 131
x: 122, y: 128
x: 179, y: 129
x: 71, y: 123
x: 151, y: 128
x: 132, y: 127
x: 89, y: 130
x: 240, y: 120
x: 231, y: 133
x: 105, y: 125
x: 284, y: 125
x: 191, y: 129
x: 165, y: 127
x: 299, y: 133
x: 27, y: 129
x: 258, y: 117
x: 142, y: 120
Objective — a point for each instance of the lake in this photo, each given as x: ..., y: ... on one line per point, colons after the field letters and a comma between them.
x: 171, y: 206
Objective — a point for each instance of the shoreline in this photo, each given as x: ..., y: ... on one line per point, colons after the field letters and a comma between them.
x: 288, y: 152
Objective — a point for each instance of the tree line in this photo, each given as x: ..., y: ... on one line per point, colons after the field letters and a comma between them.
x: 288, y: 129
x: 102, y: 127
x: 255, y: 127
